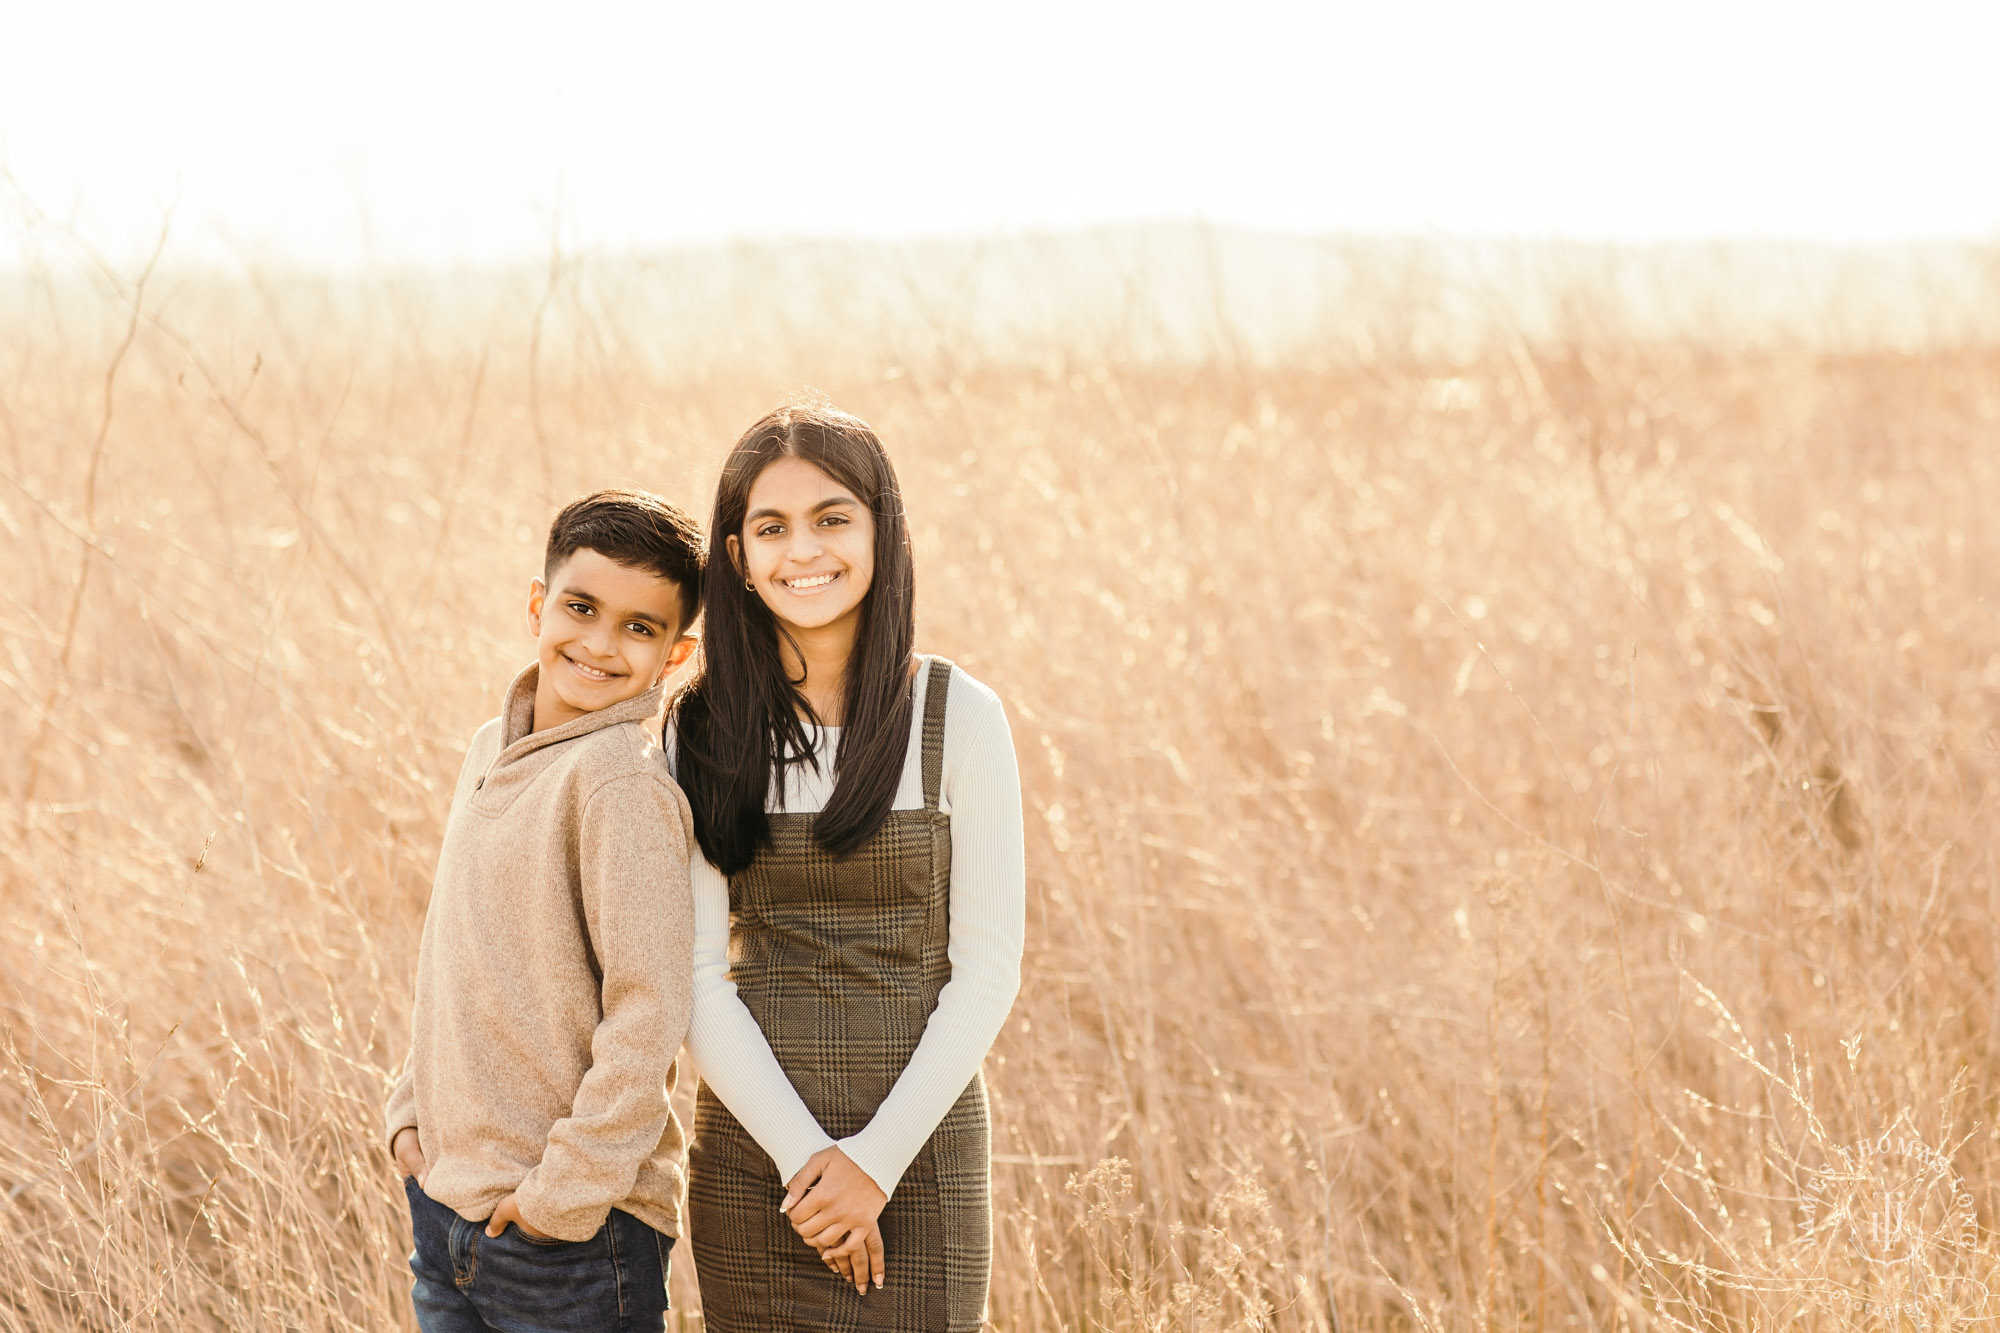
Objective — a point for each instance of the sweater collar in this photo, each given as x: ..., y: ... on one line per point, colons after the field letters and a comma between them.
x: 517, y: 715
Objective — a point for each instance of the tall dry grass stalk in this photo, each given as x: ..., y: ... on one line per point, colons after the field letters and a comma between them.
x: 1512, y: 838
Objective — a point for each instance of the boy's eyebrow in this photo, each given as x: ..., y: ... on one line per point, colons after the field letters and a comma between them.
x: 580, y: 595
x: 827, y: 503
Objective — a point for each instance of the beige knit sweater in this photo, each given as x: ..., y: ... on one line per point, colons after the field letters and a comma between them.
x: 554, y: 981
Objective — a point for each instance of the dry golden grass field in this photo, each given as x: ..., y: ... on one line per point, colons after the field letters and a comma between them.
x: 1511, y: 826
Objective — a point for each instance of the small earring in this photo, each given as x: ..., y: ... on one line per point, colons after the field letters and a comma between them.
x: 748, y: 584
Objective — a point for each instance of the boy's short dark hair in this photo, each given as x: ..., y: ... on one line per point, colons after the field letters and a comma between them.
x: 637, y: 529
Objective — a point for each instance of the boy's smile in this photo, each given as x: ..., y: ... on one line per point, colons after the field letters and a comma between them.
x: 604, y: 632
x: 590, y: 673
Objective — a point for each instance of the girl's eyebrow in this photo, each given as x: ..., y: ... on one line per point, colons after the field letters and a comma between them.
x: 827, y: 503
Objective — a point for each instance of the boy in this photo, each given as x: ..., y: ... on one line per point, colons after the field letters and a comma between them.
x: 554, y: 982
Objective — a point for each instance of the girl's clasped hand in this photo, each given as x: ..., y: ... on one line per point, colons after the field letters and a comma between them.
x: 834, y: 1207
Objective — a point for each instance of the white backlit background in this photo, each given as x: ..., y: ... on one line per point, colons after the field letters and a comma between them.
x: 429, y: 133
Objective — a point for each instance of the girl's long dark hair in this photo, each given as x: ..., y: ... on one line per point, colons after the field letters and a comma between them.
x: 743, y: 719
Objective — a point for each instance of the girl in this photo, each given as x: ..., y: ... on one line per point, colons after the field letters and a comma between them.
x: 859, y: 895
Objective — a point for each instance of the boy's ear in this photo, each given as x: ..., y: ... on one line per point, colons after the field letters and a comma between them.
x: 678, y: 655
x: 538, y: 596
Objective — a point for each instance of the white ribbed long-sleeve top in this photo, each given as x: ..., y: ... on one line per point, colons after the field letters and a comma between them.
x: 981, y: 790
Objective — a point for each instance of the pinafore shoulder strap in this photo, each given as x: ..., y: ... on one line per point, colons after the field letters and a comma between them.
x: 935, y: 690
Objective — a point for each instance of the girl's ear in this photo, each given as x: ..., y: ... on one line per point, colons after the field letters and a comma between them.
x: 538, y: 595
x: 734, y: 545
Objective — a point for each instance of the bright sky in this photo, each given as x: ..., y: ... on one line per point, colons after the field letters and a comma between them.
x: 433, y: 132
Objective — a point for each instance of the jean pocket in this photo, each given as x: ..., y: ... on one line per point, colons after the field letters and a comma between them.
x: 419, y: 1201
x: 543, y: 1242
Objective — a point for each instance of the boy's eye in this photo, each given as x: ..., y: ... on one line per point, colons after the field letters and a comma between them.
x: 639, y: 627
x: 581, y: 608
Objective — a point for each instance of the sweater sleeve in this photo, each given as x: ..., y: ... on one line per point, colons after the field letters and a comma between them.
x: 401, y: 1113
x: 632, y: 843
x: 988, y: 923
x: 730, y: 1051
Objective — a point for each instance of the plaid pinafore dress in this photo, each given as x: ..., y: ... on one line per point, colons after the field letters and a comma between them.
x: 840, y: 961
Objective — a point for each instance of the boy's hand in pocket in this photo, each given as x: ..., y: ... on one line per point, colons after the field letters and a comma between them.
x: 509, y: 1211
x: 409, y: 1154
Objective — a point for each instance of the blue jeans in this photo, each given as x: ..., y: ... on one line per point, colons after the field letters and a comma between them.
x: 470, y: 1282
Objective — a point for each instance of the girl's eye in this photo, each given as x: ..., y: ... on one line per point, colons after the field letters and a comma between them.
x: 771, y: 530
x: 834, y: 520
